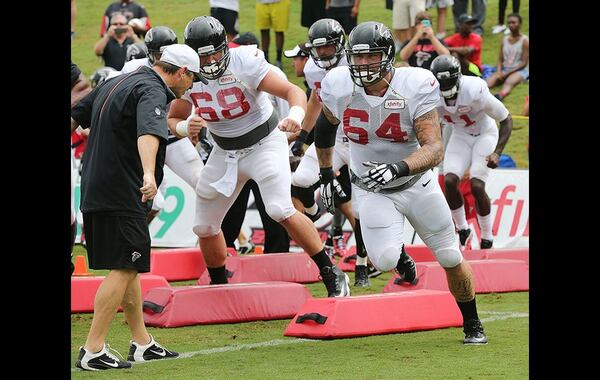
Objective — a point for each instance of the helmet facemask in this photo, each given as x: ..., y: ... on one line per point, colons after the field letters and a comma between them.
x: 365, y: 75
x: 329, y: 61
x: 214, y: 70
x: 449, y: 83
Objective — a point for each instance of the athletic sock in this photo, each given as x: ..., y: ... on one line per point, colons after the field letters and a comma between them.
x: 468, y: 309
x: 485, y: 223
x: 322, y: 260
x: 460, y: 218
x: 217, y: 275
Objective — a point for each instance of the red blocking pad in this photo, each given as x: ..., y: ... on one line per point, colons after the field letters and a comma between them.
x: 83, y: 290
x: 177, y: 264
x: 230, y: 303
x: 292, y: 267
x: 347, y: 263
x: 344, y: 317
x: 507, y: 253
x: 422, y: 253
x: 492, y: 275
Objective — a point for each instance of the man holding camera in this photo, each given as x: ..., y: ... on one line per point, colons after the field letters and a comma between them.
x: 424, y: 46
x: 112, y: 47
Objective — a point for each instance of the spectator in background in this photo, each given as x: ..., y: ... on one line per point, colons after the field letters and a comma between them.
x: 312, y: 10
x: 513, y: 59
x: 466, y: 46
x: 478, y: 11
x: 272, y: 14
x: 525, y: 111
x: 344, y: 11
x: 112, y: 47
x: 442, y: 6
x: 501, y: 11
x: 226, y: 11
x: 424, y: 46
x: 403, y: 19
x: 132, y: 11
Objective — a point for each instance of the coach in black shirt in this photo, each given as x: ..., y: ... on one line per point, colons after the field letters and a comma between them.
x: 122, y: 169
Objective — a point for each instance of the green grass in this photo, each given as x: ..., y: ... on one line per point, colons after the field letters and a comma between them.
x: 177, y: 13
x: 436, y: 354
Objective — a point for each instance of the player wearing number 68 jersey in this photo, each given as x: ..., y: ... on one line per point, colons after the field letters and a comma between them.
x: 389, y: 115
x: 468, y: 106
x: 250, y: 144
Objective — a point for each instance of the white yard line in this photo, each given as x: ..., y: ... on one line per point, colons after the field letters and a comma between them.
x: 497, y: 316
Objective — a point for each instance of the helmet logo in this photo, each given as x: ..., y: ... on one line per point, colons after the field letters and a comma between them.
x: 206, y: 49
x: 335, y: 26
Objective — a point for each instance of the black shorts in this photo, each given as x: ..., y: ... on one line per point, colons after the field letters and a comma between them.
x: 227, y: 17
x: 117, y: 242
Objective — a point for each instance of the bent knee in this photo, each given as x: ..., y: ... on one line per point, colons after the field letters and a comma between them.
x: 386, y: 259
x: 204, y: 231
x: 448, y: 257
x: 278, y: 212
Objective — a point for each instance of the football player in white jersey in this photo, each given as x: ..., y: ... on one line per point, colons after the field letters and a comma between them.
x: 250, y: 144
x: 389, y: 115
x: 326, y: 41
x: 181, y: 157
x: 467, y: 104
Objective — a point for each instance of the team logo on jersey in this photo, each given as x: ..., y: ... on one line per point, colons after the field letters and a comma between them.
x: 226, y: 79
x: 394, y: 104
x: 157, y: 111
x: 464, y: 109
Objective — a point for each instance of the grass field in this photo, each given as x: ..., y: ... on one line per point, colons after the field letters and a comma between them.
x: 177, y: 13
x: 258, y: 350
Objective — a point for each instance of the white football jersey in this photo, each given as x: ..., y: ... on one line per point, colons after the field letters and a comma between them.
x: 475, y: 108
x: 231, y: 104
x: 314, y: 75
x: 380, y: 128
x: 281, y: 105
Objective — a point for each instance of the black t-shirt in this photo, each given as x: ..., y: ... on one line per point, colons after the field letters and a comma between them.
x: 74, y: 74
x: 423, y: 54
x: 117, y: 112
x: 129, y: 10
x: 114, y: 54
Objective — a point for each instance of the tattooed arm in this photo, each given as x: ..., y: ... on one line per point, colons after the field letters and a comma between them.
x: 428, y: 131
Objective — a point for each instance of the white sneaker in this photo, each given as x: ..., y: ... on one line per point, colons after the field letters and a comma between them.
x: 506, y: 32
x: 150, y: 351
x: 498, y: 28
x: 100, y: 360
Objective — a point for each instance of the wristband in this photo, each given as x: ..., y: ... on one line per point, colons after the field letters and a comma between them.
x: 297, y: 114
x: 302, y: 136
x: 326, y: 174
x: 182, y: 128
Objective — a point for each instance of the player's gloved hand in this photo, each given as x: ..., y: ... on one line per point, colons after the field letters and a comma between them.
x: 493, y: 160
x: 298, y: 147
x: 329, y: 186
x: 381, y: 174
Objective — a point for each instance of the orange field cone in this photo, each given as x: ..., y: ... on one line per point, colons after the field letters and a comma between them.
x: 258, y: 249
x: 80, y: 267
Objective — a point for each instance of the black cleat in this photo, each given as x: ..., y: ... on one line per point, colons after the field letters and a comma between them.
x: 361, y: 276
x: 486, y: 244
x: 464, y: 236
x: 100, y: 360
x: 339, y: 246
x: 373, y: 272
x: 150, y: 351
x: 474, y: 332
x: 336, y: 281
x: 406, y: 268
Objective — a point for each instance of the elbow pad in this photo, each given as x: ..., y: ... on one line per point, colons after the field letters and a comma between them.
x: 324, y: 132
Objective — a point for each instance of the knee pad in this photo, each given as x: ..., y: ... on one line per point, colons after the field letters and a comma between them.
x: 279, y: 213
x: 204, y: 231
x: 387, y: 260
x: 303, y: 179
x: 448, y: 257
x: 305, y: 195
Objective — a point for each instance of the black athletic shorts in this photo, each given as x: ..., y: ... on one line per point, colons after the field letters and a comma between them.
x: 227, y: 17
x: 117, y: 242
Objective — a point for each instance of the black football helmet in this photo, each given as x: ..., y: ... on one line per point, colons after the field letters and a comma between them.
x: 326, y: 31
x: 156, y: 39
x: 206, y: 35
x: 367, y: 38
x: 136, y: 51
x: 100, y: 75
x: 446, y: 69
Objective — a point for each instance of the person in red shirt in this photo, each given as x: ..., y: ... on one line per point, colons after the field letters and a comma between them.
x: 466, y: 46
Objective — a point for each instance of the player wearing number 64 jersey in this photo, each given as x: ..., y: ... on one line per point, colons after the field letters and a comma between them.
x: 389, y: 115
x: 249, y: 145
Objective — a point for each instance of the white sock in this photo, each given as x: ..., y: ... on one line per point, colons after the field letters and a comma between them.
x: 361, y: 260
x: 312, y: 210
x: 460, y: 219
x: 485, y: 223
